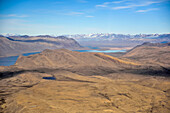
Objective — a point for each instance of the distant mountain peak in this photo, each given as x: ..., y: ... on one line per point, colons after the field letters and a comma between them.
x: 156, y: 44
x: 16, y: 45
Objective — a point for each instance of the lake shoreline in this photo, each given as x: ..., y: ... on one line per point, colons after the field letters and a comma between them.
x: 10, y: 60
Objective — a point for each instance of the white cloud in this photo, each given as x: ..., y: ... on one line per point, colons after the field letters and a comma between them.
x: 128, y: 4
x: 146, y: 10
x: 137, y: 5
x: 117, y: 2
x: 105, y: 4
x: 89, y: 16
x: 101, y: 5
x: 14, y: 15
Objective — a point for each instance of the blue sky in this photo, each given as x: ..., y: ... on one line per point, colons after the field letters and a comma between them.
x: 60, y: 17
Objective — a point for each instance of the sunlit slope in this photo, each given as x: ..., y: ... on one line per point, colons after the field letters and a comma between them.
x: 115, y: 60
x: 83, y: 63
x: 65, y: 58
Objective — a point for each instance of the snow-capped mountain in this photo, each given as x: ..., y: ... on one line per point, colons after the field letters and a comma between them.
x: 111, y: 36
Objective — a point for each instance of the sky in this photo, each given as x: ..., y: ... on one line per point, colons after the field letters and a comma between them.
x: 65, y: 17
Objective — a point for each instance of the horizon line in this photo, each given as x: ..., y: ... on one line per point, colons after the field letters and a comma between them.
x: 16, y: 34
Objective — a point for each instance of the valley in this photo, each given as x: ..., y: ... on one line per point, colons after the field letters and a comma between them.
x: 87, y: 82
x: 84, y: 56
x: 19, y: 44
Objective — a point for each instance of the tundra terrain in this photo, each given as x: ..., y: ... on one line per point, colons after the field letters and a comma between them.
x: 88, y: 82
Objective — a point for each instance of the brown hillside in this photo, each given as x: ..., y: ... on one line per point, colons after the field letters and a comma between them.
x: 84, y: 83
x: 151, y: 53
x: 68, y: 59
x: 11, y: 46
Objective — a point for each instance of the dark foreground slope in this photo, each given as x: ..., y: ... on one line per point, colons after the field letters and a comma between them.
x: 85, y: 82
x: 17, y: 45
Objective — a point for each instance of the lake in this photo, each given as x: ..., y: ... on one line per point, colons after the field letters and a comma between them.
x: 7, y: 61
x: 101, y: 51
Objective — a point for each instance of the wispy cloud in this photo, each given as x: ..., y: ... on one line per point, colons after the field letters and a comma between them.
x: 78, y: 14
x: 117, y: 2
x: 137, y: 5
x: 75, y: 13
x: 146, y: 10
x: 89, y: 16
x: 129, y: 4
x: 102, y: 5
x: 106, y: 4
x: 20, y: 26
x: 14, y: 15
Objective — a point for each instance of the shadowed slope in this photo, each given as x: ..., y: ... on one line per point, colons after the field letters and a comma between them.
x: 153, y: 53
x: 10, y: 46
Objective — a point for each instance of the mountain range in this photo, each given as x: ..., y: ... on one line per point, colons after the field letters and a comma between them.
x: 16, y: 45
x: 118, y: 40
x: 110, y: 36
x: 11, y: 44
x: 101, y: 36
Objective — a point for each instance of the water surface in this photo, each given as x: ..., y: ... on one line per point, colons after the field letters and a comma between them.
x: 49, y: 78
x: 101, y: 51
x: 7, y: 61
